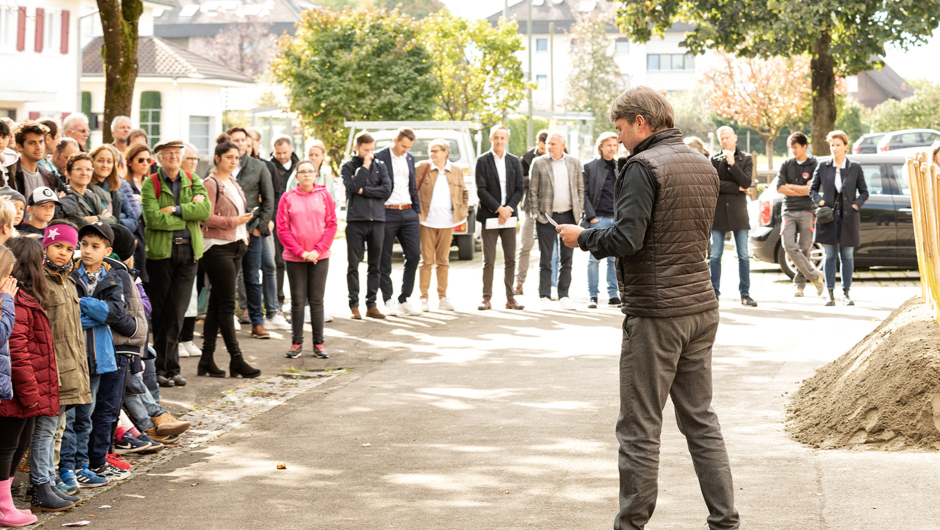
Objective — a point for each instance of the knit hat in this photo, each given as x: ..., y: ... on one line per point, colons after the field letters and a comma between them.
x: 124, y: 242
x: 60, y: 234
x: 14, y: 195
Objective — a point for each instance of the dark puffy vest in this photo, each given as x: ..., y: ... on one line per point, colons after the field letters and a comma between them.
x: 669, y: 276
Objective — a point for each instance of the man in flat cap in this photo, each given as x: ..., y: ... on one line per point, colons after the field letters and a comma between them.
x: 174, y: 203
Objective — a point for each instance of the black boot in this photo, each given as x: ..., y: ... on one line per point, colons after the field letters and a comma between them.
x: 239, y: 368
x: 845, y: 298
x: 207, y: 366
x: 832, y: 298
x: 44, y: 500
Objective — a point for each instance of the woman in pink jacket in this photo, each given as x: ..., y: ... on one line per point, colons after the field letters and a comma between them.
x: 306, y: 225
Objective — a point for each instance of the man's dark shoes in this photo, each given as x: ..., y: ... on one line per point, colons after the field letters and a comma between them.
x: 592, y: 303
x: 164, y: 382
x: 178, y: 380
x: 748, y: 301
x: 485, y: 305
x: 512, y: 304
x: 832, y: 299
x: 295, y: 351
x: 614, y: 302
x: 320, y: 351
x: 258, y: 332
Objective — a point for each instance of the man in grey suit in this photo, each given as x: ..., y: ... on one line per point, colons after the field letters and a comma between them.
x: 556, y: 189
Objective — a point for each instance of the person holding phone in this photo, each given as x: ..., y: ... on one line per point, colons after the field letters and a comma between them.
x: 225, y: 241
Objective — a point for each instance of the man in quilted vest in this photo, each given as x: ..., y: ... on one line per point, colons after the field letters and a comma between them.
x: 665, y: 204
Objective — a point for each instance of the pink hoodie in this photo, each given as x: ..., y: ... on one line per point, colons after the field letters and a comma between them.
x: 305, y: 222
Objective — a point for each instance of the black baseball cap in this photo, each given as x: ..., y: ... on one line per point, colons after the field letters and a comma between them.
x: 98, y: 227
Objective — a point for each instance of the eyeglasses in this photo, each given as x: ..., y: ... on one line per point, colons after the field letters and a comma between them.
x: 192, y: 159
x: 432, y: 151
x: 305, y: 173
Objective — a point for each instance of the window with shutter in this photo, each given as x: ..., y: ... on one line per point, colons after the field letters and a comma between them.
x: 40, y: 26
x: 21, y: 29
x: 150, y: 107
x: 64, y: 18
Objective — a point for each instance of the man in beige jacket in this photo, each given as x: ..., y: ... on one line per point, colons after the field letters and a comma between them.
x: 444, y: 205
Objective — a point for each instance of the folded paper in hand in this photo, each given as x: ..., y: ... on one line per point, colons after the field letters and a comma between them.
x: 493, y: 223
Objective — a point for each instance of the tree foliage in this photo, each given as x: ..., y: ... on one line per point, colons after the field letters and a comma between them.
x: 840, y: 36
x: 244, y: 47
x: 920, y: 111
x: 690, y: 107
x: 476, y: 67
x: 763, y: 94
x: 595, y: 79
x: 358, y: 64
x: 414, y: 8
x: 119, y: 20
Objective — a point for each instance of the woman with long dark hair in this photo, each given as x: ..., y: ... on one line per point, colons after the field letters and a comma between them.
x: 138, y: 159
x: 839, y: 184
x: 225, y: 241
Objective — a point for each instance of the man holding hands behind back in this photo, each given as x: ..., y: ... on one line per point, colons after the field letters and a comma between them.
x: 665, y: 204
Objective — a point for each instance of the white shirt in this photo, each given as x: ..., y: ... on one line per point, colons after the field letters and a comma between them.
x: 839, y: 175
x: 562, y: 194
x: 400, y: 192
x: 441, y: 209
x: 501, y: 172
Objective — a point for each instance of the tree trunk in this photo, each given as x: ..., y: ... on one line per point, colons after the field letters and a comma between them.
x: 822, y: 67
x: 119, y: 21
x: 770, y: 151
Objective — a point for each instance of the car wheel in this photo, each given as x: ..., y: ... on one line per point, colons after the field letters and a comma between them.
x: 786, y: 264
x: 465, y: 247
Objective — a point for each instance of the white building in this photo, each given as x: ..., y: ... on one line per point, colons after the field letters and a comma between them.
x: 39, y: 54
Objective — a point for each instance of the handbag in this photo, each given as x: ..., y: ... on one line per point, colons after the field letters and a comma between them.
x: 824, y: 215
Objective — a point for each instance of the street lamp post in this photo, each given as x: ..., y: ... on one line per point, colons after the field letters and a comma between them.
x: 530, y: 132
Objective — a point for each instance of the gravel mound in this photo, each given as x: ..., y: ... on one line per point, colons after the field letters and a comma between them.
x: 883, y: 394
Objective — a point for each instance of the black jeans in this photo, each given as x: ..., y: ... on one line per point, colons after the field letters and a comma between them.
x: 171, y: 286
x: 360, y: 234
x: 107, y: 409
x: 15, y: 436
x: 307, y: 284
x: 222, y: 263
x: 548, y: 238
x: 404, y: 225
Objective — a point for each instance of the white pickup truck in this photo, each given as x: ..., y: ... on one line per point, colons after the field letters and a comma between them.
x: 463, y: 154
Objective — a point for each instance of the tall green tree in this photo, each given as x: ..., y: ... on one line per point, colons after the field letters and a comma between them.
x: 595, y: 79
x: 119, y: 20
x: 359, y: 64
x: 920, y: 111
x: 840, y: 36
x: 476, y: 67
x: 418, y: 9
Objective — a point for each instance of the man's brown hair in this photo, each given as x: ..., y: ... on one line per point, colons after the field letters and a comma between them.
x: 364, y: 138
x: 233, y: 130
x: 646, y: 102
x: 405, y: 132
x: 30, y: 127
x: 53, y: 127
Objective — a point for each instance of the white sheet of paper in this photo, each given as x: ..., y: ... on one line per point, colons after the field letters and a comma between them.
x: 550, y: 220
x: 493, y: 223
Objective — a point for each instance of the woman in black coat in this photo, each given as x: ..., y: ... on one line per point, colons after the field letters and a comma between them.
x: 840, y: 184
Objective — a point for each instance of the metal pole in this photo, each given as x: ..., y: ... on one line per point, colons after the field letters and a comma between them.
x: 506, y: 10
x: 551, y: 62
x: 530, y: 132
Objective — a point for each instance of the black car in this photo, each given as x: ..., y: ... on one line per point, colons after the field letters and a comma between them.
x: 887, y: 223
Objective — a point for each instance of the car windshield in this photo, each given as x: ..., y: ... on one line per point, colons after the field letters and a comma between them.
x: 419, y: 148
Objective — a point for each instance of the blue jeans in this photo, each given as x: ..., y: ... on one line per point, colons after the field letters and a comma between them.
x: 744, y: 264
x: 594, y: 263
x: 251, y: 272
x: 556, y: 263
x: 150, y: 378
x: 141, y: 407
x: 74, y: 452
x: 847, y: 256
x: 269, y: 276
x: 42, y: 451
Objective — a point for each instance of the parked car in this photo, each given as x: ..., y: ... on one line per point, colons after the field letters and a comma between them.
x: 867, y: 143
x: 887, y: 223
x: 907, y: 138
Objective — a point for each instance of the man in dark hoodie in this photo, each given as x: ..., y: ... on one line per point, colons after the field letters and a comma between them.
x: 284, y: 161
x: 793, y: 182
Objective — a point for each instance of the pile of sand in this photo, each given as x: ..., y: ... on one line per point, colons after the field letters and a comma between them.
x: 883, y: 394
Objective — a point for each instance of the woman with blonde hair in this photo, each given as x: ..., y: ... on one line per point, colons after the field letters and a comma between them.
x: 106, y: 182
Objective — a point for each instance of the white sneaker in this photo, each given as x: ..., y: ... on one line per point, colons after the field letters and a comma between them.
x: 392, y: 307
x: 238, y: 326
x: 409, y: 308
x: 445, y: 305
x: 181, y: 351
x: 278, y: 322
x: 191, y: 347
x: 546, y: 304
x: 568, y: 305
x: 424, y: 305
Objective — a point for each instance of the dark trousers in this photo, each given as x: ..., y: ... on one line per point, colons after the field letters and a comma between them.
x: 171, y: 286
x: 662, y: 357
x: 548, y: 238
x: 251, y: 273
x: 107, y: 409
x: 489, y: 237
x: 222, y: 263
x: 403, y: 225
x: 15, y: 436
x: 279, y: 270
x: 307, y: 285
x: 187, y: 333
x: 360, y: 234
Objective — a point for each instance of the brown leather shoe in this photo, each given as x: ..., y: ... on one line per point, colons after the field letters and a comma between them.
x: 518, y: 289
x: 355, y: 313
x: 373, y: 312
x: 511, y: 304
x: 165, y: 424
x: 258, y: 332
x: 485, y: 305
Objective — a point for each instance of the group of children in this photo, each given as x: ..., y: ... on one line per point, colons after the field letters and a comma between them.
x: 73, y: 358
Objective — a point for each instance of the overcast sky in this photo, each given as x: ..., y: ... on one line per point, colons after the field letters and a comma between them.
x: 919, y: 62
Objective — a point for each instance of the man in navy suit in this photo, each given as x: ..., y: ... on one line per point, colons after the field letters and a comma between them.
x: 401, y: 221
x: 500, y: 188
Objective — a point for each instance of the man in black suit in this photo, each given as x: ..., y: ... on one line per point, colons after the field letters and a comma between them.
x: 401, y: 221
x: 600, y: 178
x: 499, y: 186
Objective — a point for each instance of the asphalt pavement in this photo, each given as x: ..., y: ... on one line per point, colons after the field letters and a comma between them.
x: 505, y: 419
